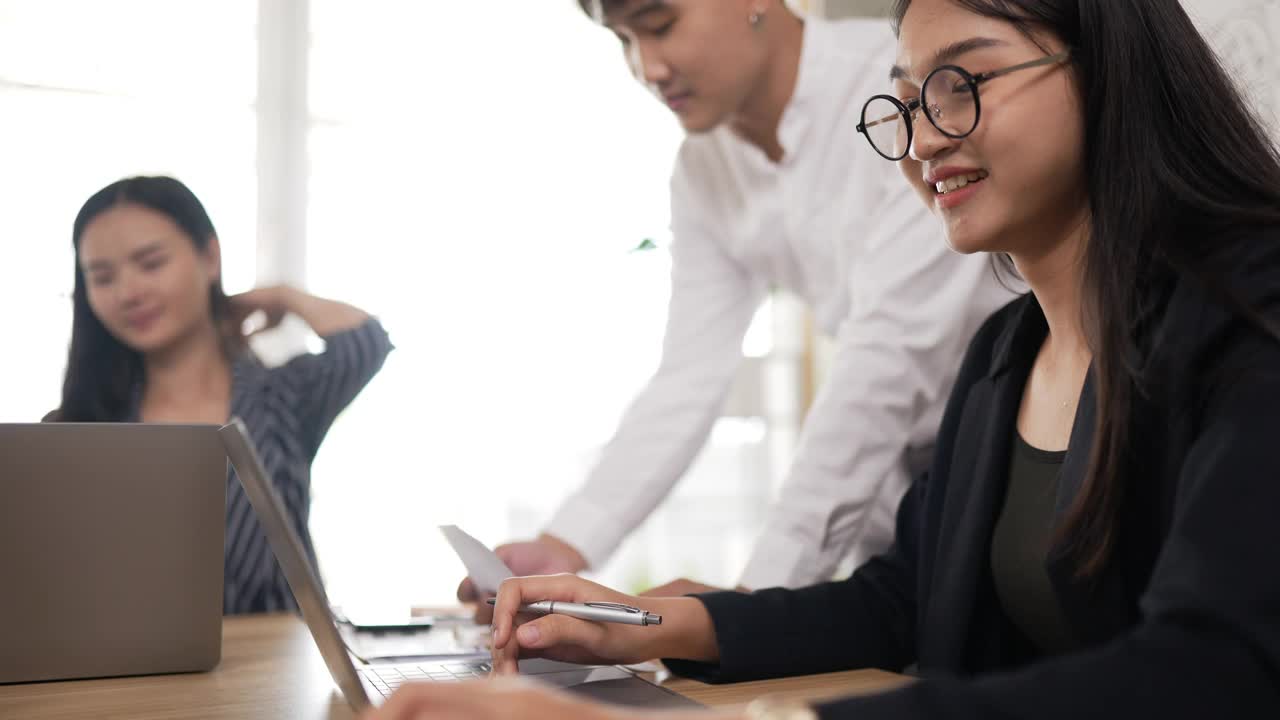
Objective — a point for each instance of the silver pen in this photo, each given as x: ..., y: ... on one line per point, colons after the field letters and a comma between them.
x: 595, y: 611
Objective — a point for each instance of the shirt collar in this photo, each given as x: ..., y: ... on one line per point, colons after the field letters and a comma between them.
x: 1021, y: 338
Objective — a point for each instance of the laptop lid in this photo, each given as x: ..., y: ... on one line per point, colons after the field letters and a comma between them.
x: 111, y: 549
x: 289, y: 552
x: 606, y: 683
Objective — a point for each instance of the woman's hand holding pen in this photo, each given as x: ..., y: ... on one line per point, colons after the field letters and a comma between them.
x: 686, y: 630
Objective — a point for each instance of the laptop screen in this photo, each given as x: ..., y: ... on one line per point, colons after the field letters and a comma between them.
x: 288, y: 549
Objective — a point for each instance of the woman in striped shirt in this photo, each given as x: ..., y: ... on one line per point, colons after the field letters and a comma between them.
x: 155, y: 339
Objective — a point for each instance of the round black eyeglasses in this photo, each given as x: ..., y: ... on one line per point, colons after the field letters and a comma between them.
x: 949, y: 96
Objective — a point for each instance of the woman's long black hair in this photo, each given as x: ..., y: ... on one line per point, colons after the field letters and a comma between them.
x: 1180, y: 171
x: 102, y: 372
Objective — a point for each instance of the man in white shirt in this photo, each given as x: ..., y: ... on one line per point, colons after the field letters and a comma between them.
x: 775, y: 188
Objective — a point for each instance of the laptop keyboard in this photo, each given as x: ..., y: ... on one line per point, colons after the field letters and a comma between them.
x: 386, y: 678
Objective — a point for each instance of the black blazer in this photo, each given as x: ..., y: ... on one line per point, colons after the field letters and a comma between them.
x: 1185, y: 623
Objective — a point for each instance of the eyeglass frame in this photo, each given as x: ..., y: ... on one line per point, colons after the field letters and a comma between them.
x: 905, y: 110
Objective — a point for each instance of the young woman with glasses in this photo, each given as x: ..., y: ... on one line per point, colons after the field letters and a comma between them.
x: 1094, y: 536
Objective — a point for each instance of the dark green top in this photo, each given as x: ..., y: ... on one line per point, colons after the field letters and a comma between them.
x: 1020, y: 548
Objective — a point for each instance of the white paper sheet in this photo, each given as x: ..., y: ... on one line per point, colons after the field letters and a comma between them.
x: 484, y: 568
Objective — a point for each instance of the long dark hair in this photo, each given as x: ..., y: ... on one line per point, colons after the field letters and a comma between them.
x: 1180, y: 171
x: 102, y: 372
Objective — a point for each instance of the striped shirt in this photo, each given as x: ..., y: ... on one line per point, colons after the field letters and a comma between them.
x: 288, y: 410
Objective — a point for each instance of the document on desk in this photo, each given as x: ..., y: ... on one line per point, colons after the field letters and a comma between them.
x: 484, y: 567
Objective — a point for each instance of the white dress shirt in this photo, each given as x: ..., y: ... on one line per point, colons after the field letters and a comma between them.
x: 839, y: 226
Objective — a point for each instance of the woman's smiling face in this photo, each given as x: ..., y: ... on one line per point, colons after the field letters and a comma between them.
x: 1022, y: 167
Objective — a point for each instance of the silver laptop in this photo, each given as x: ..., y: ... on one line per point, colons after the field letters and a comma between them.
x: 110, y: 550
x: 371, y: 684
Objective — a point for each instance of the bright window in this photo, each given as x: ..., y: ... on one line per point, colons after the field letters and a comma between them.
x: 91, y: 92
x: 480, y: 174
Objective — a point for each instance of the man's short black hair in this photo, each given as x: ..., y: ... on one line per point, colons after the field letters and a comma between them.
x: 595, y: 8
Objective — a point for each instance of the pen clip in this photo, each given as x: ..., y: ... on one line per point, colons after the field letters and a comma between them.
x: 615, y: 606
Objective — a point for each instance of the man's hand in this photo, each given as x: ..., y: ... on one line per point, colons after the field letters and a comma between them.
x: 547, y: 555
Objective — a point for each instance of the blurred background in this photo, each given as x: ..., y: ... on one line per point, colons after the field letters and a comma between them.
x: 479, y: 174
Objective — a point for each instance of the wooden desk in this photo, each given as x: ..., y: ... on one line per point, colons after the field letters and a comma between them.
x: 271, y: 669
x: 807, y: 687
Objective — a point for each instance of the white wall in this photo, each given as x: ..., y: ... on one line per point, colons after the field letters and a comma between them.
x: 1247, y: 35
